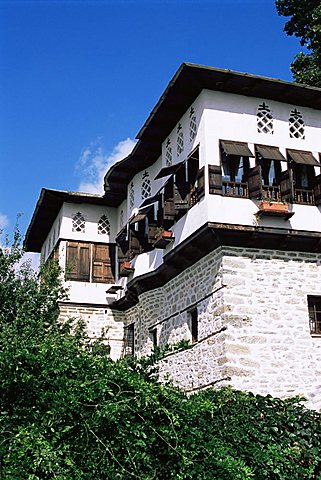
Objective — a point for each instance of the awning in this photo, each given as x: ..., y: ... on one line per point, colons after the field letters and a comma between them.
x: 270, y: 153
x: 169, y: 170
x: 306, y: 158
x: 236, y: 148
x: 138, y: 218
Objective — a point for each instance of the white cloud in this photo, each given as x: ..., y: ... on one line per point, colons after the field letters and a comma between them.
x: 4, y: 222
x: 94, y: 163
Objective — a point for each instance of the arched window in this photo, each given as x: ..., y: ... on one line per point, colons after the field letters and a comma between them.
x: 264, y: 119
x: 296, y: 125
x: 103, y: 225
x: 192, y: 128
x: 146, y: 186
x: 168, y: 154
x: 78, y: 223
x: 131, y: 196
x: 180, y: 143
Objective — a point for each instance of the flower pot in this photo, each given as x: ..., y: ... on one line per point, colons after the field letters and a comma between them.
x: 274, y: 209
x: 126, y: 269
x: 163, y: 238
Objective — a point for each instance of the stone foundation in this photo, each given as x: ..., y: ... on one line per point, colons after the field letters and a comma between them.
x: 253, y: 324
x: 97, y: 319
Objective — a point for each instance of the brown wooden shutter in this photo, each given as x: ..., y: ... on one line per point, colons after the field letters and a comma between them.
x: 201, y: 183
x: 181, y: 189
x: 102, y: 266
x: 84, y: 262
x: 134, y: 242
x: 215, y: 179
x: 286, y: 185
x: 169, y: 210
x: 72, y: 261
x: 317, y: 190
x: 255, y: 182
x: 78, y: 261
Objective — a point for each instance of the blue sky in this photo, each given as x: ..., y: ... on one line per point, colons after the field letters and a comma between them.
x: 79, y: 78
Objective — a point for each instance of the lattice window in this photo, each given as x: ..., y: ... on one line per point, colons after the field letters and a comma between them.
x: 169, y: 153
x: 180, y: 143
x: 131, y: 196
x: 78, y: 223
x: 121, y: 219
x: 192, y: 128
x: 103, y: 225
x: 296, y: 125
x: 264, y: 119
x: 146, y: 186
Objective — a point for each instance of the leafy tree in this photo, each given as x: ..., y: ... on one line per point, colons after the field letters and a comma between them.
x: 305, y: 23
x: 67, y: 412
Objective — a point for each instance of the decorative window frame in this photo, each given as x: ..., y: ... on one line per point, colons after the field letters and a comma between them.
x: 296, y: 125
x: 264, y: 119
x: 146, y: 188
x: 103, y: 225
x: 78, y: 223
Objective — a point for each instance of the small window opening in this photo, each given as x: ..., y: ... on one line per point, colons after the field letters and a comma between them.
x: 314, y: 306
x: 153, y: 337
x: 194, y: 325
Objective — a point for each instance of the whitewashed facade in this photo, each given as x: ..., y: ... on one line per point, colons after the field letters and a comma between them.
x: 229, y: 164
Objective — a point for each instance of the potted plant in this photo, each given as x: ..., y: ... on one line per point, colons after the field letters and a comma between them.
x: 126, y: 268
x: 273, y: 208
x: 162, y: 237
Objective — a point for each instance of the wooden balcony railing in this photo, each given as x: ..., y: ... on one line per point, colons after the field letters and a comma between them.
x: 235, y: 189
x: 272, y: 193
x: 304, y: 196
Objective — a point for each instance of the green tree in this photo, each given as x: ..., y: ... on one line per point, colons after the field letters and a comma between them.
x: 67, y: 412
x: 305, y: 23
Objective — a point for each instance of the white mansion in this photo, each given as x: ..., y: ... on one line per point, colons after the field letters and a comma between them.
x: 209, y: 231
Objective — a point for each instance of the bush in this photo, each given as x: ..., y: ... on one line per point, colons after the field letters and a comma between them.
x: 69, y: 412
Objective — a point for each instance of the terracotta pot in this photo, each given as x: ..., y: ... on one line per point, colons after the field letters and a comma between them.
x: 267, y: 206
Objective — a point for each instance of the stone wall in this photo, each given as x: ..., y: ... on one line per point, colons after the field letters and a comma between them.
x: 97, y: 319
x: 253, y: 325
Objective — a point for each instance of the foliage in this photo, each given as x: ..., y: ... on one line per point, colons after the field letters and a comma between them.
x: 67, y: 412
x: 305, y: 23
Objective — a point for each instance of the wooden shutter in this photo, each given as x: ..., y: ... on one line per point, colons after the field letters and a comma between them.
x: 201, y: 183
x: 181, y: 189
x: 255, y: 182
x: 169, y: 210
x: 134, y: 242
x: 102, y: 266
x: 317, y: 190
x: 215, y: 179
x: 84, y: 262
x: 286, y: 185
x: 77, y: 261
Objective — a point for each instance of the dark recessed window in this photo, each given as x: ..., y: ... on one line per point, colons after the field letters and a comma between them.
x: 153, y: 337
x: 129, y: 338
x: 194, y: 325
x: 314, y: 305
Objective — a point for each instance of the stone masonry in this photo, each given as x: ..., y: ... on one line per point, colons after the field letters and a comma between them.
x: 253, y: 324
x: 98, y: 319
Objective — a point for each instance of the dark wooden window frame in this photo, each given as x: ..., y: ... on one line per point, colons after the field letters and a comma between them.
x: 314, y: 307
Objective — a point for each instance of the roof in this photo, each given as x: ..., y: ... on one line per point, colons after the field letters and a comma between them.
x: 47, y: 209
x: 185, y: 86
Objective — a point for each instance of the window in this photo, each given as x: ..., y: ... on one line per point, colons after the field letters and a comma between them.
x: 153, y: 337
x: 302, y: 164
x: 264, y: 119
x: 268, y: 160
x: 194, y: 324
x: 180, y: 142
x: 168, y: 154
x: 192, y: 128
x: 103, y: 225
x: 129, y: 341
x: 78, y: 223
x: 87, y: 262
x: 131, y: 196
x: 296, y: 125
x: 236, y: 166
x: 314, y: 306
x: 146, y: 186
